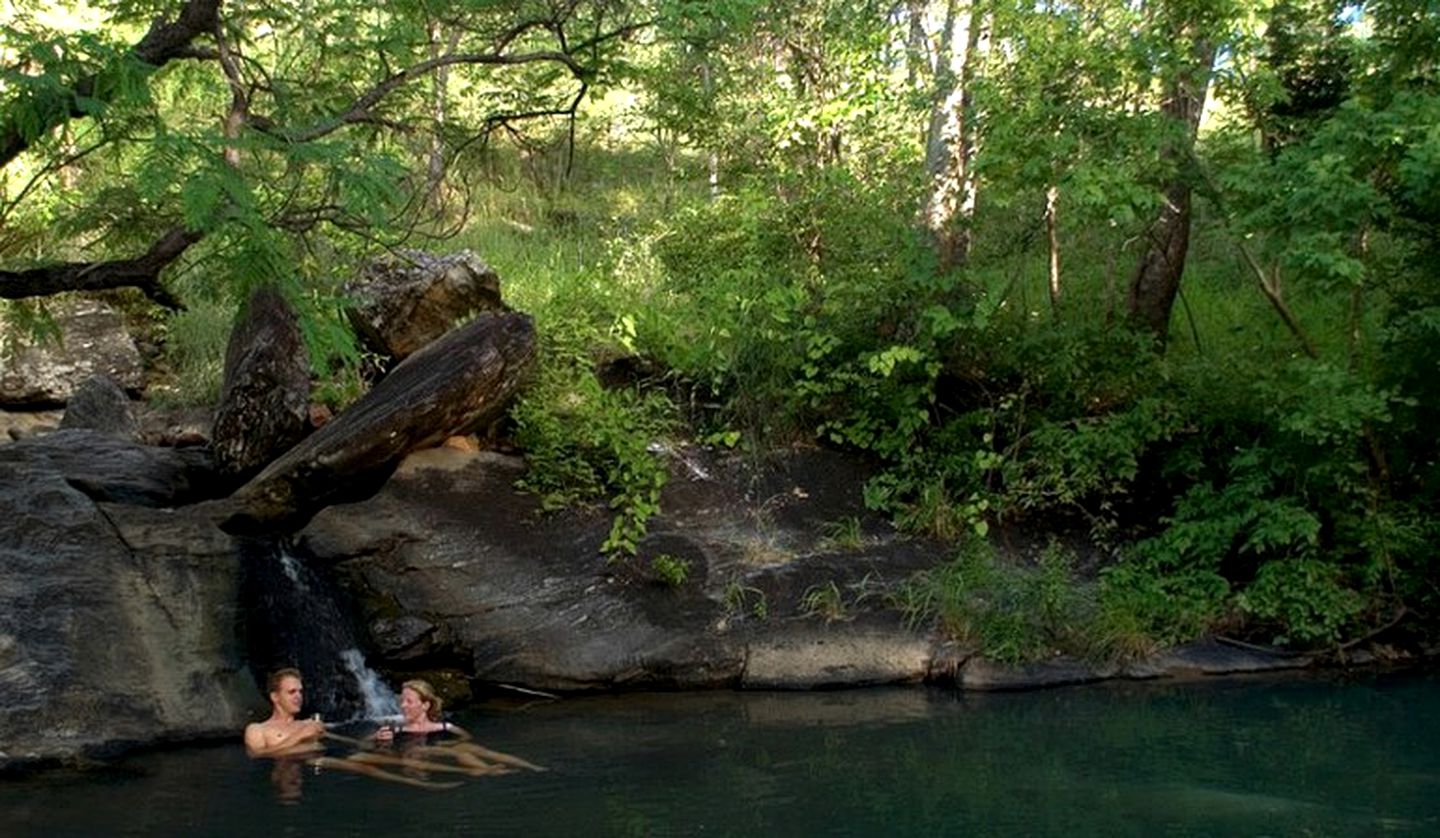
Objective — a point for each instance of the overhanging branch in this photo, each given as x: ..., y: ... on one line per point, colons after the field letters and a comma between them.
x: 142, y: 272
x: 360, y: 110
x: 166, y: 40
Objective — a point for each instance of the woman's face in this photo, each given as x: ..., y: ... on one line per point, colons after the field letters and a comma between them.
x: 411, y: 707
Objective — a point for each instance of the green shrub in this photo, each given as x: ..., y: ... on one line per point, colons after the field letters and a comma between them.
x: 195, y: 349
x: 1011, y: 613
x: 1306, y: 601
x: 671, y: 570
x: 775, y: 299
x: 583, y: 442
x: 1143, y: 606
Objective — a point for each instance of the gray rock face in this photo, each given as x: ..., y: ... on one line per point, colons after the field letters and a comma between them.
x: 99, y: 404
x: 511, y: 596
x: 455, y: 384
x: 409, y: 301
x: 265, y: 399
x: 456, y: 571
x: 113, y: 470
x: 93, y: 342
x: 117, y: 622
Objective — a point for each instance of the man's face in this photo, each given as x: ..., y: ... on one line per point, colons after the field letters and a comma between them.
x: 290, y: 695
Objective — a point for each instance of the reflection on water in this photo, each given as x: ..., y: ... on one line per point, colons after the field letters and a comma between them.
x: 1324, y: 756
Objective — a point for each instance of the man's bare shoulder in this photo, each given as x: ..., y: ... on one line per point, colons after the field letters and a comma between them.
x: 255, y: 735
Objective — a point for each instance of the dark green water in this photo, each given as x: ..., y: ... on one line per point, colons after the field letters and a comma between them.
x: 1356, y: 755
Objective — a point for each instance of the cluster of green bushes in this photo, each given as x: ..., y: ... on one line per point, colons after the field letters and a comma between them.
x: 1239, y: 486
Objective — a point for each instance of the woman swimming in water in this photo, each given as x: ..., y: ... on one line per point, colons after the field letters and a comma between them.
x: 420, y: 711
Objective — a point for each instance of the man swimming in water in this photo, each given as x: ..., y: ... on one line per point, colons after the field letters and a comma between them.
x: 282, y: 733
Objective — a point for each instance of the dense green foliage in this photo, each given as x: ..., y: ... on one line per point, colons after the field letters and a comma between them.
x: 729, y: 194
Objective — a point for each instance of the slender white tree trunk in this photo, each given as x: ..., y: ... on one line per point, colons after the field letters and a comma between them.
x: 1052, y: 235
x: 952, y: 140
x: 439, y: 86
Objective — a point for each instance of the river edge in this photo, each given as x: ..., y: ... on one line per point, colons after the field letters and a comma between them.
x: 1208, y: 661
x: 118, y: 631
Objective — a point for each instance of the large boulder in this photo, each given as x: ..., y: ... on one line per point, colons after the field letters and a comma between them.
x: 265, y: 398
x: 411, y: 299
x: 99, y: 404
x: 454, y: 385
x: 456, y: 571
x: 117, y: 622
x: 92, y: 341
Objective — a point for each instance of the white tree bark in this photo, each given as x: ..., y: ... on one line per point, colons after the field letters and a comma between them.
x: 952, y: 139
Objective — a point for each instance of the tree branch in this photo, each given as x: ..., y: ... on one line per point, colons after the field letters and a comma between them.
x: 165, y: 41
x: 142, y: 272
x: 359, y: 111
x: 1271, y: 289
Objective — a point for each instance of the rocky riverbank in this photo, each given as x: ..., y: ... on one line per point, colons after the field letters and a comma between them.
x: 122, y: 619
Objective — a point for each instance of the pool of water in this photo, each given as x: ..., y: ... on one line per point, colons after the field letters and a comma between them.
x: 1332, y: 755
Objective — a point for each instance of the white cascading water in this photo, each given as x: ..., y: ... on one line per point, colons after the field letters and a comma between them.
x: 380, y: 701
x: 292, y: 570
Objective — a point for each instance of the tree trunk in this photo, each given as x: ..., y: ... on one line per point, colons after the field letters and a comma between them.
x: 951, y: 140
x: 917, y: 58
x: 1157, y: 276
x: 142, y: 272
x: 1052, y: 236
x: 239, y: 112
x: 712, y: 157
x: 435, y: 165
x: 1156, y: 281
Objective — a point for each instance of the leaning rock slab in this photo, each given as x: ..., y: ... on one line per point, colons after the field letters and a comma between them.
x: 265, y: 400
x: 463, y: 380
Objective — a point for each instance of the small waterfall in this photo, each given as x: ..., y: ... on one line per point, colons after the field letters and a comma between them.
x: 380, y: 700
x: 295, y: 616
x: 292, y: 569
